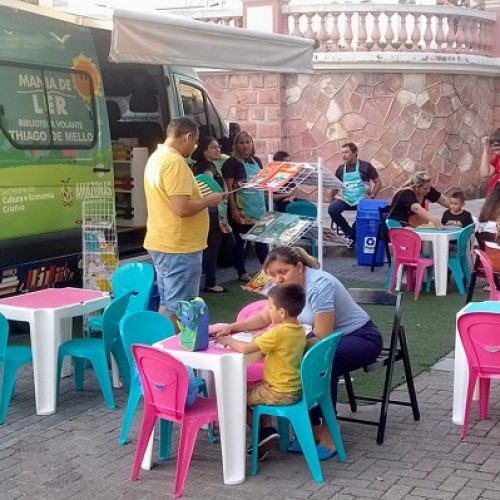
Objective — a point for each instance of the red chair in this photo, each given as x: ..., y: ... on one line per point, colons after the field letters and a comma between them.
x: 406, y: 249
x: 487, y: 269
x: 165, y: 384
x: 255, y: 371
x: 480, y: 335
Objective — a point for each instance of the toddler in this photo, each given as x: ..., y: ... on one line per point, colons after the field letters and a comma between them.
x: 457, y: 216
x: 283, y: 346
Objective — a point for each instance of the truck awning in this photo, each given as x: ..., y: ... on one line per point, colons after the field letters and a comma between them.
x: 158, y: 38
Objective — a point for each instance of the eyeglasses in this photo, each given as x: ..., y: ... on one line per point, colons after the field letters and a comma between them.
x: 214, y: 147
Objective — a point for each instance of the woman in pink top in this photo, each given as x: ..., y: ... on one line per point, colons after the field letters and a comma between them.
x: 490, y: 160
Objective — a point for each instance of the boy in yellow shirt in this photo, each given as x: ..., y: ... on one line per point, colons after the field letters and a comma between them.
x: 283, y: 347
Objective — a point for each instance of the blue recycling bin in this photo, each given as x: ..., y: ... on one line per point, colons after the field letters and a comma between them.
x: 367, y: 223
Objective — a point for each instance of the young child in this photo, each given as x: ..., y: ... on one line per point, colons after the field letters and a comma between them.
x: 456, y: 216
x: 283, y: 347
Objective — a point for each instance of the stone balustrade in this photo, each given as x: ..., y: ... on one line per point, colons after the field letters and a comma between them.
x: 367, y: 27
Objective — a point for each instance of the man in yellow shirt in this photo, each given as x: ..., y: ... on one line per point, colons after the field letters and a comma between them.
x: 177, y: 225
x: 283, y: 347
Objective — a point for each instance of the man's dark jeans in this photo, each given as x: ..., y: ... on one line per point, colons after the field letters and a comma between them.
x: 335, y: 210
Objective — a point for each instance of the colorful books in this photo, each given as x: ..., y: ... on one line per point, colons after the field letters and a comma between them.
x: 262, y: 225
x: 260, y: 283
x: 282, y: 228
x: 274, y: 175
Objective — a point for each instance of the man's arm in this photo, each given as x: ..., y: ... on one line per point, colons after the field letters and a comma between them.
x: 376, y: 187
x: 183, y: 206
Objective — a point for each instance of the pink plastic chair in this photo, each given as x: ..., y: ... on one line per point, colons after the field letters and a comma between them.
x: 165, y: 383
x: 406, y: 248
x: 480, y: 335
x: 255, y: 371
x: 488, y: 273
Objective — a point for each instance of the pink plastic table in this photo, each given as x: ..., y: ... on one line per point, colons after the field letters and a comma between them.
x: 49, y: 313
x: 230, y: 378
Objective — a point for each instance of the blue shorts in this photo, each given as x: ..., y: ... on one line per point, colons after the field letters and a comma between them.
x: 178, y: 276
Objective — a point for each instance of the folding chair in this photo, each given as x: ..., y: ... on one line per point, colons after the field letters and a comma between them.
x: 397, y: 351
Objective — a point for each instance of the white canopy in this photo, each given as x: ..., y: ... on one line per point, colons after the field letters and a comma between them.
x: 158, y: 38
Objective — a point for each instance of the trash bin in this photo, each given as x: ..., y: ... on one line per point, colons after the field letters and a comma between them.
x: 367, y: 224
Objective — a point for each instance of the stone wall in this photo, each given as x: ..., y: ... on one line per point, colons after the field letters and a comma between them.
x: 402, y: 123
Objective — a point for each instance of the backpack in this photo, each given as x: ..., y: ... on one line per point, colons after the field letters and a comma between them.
x: 192, y: 319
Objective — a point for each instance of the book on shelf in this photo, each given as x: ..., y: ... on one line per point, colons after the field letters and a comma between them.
x: 274, y: 175
x: 282, y: 223
x: 294, y: 230
x: 262, y: 225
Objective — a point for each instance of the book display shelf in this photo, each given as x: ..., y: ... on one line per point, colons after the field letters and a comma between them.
x: 286, y: 229
x: 99, y: 243
x: 128, y: 164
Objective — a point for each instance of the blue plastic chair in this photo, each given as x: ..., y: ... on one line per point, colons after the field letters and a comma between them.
x: 97, y: 350
x: 307, y: 209
x: 391, y: 224
x: 136, y: 277
x: 459, y: 262
x: 12, y: 358
x: 147, y: 328
x: 316, y: 374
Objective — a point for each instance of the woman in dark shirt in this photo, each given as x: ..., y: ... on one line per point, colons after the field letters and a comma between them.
x: 206, y: 153
x: 408, y: 204
x: 246, y: 206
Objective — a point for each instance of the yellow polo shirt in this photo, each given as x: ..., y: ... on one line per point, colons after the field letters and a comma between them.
x: 167, y: 174
x: 284, y: 347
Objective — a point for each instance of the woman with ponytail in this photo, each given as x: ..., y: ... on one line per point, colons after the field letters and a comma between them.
x: 329, y: 308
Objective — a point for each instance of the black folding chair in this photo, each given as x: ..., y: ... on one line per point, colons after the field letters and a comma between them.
x: 397, y: 351
x: 382, y: 236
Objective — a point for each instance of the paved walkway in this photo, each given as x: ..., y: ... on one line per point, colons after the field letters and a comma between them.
x: 75, y: 453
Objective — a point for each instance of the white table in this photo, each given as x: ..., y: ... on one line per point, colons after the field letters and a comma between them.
x: 440, y: 239
x: 230, y: 376
x: 49, y: 313
x: 461, y: 369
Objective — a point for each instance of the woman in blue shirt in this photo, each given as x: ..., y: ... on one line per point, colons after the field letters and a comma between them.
x: 329, y: 308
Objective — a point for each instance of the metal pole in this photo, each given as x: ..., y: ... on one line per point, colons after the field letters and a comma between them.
x: 319, y: 222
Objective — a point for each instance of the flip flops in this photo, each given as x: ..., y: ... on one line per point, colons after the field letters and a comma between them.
x: 323, y: 452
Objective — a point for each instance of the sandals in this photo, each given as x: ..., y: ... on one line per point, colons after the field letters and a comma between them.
x: 323, y: 452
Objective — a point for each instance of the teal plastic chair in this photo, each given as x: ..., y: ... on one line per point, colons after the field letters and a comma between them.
x: 391, y: 224
x: 459, y: 262
x: 97, y: 350
x: 147, y: 328
x: 316, y: 374
x: 307, y: 209
x: 11, y: 359
x: 136, y: 277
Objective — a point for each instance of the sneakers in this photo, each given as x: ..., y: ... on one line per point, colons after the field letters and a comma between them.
x: 268, y: 441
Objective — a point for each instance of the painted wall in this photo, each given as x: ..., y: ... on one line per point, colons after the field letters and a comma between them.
x: 402, y: 123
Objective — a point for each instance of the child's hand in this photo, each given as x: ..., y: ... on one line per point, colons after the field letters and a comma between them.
x: 224, y: 341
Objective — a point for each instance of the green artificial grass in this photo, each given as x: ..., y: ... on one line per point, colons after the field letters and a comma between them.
x: 429, y: 323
